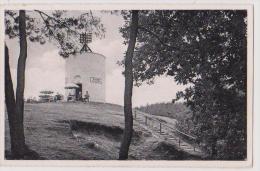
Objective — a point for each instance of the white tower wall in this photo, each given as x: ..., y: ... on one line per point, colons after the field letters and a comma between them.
x: 89, y: 70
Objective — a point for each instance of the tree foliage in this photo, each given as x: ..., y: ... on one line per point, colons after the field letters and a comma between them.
x: 206, y: 51
x: 173, y: 110
x: 59, y: 26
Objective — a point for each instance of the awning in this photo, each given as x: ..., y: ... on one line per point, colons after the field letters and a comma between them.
x: 71, y: 86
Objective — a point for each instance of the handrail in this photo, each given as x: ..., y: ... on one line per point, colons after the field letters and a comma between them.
x: 174, y: 129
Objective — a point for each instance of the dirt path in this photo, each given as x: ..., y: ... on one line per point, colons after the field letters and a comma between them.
x: 164, y: 128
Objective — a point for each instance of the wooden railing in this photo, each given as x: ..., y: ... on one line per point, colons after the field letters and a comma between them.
x: 163, y: 126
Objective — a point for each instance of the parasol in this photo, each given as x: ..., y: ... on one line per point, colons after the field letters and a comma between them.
x: 46, y: 92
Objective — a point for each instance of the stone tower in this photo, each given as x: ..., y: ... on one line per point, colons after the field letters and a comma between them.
x: 86, y: 71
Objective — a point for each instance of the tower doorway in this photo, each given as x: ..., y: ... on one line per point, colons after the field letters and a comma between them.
x: 79, y: 92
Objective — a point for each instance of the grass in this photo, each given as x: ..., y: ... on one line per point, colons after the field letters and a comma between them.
x: 91, y: 131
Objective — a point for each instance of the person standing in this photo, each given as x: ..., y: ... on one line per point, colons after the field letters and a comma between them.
x: 87, y: 97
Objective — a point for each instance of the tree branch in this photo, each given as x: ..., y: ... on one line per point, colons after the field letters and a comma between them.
x: 158, y: 38
x: 57, y: 21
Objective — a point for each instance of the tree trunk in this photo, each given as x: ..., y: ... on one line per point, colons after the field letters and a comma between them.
x: 128, y: 131
x: 17, y: 135
x: 10, y: 105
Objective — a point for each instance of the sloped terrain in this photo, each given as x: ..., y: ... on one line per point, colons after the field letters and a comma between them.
x: 91, y: 131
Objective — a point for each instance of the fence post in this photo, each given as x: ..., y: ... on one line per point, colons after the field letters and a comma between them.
x: 145, y: 120
x: 135, y: 114
x: 160, y: 127
x: 194, y: 148
x: 179, y: 142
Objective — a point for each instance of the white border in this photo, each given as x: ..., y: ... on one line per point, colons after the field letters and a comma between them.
x: 147, y: 163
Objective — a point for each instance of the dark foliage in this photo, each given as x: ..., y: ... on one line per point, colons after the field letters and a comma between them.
x: 173, y: 110
x: 206, y: 51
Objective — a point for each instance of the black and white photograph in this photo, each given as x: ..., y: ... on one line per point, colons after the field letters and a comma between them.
x: 127, y: 84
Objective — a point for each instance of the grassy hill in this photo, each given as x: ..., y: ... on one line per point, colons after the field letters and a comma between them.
x: 91, y: 131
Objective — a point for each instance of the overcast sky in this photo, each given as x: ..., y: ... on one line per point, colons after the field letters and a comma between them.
x: 45, y: 69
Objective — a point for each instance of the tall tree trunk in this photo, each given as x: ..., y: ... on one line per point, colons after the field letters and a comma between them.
x: 128, y: 131
x: 10, y: 105
x: 18, y: 127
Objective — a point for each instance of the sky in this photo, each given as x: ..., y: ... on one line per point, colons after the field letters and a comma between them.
x: 45, y: 69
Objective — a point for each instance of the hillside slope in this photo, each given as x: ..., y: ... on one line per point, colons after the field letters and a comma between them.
x: 92, y: 131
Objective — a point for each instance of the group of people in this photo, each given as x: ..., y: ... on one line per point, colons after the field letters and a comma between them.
x: 79, y: 97
x: 85, y: 98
